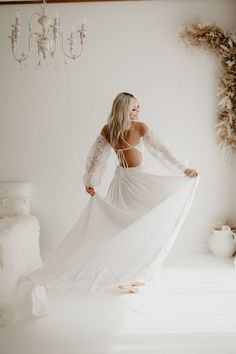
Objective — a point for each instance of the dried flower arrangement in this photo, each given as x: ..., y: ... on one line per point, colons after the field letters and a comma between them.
x: 220, y: 226
x: 223, y: 45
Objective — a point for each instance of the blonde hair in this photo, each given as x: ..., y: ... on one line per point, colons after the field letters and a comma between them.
x: 119, y: 121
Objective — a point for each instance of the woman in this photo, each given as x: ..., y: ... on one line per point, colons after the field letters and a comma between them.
x: 120, y: 240
x: 124, y: 133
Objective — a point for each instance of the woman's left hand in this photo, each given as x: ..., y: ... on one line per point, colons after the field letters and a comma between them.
x: 90, y: 190
x: 190, y: 172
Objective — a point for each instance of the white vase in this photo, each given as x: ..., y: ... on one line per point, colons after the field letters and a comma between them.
x: 222, y: 243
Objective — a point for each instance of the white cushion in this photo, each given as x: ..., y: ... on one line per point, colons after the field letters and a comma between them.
x: 15, y: 190
x: 14, y: 207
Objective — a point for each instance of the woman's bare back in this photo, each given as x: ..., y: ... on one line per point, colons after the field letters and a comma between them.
x: 133, y: 156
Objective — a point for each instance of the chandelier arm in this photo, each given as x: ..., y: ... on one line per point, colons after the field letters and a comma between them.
x: 14, y: 56
x: 75, y: 56
x: 79, y: 54
x: 24, y: 56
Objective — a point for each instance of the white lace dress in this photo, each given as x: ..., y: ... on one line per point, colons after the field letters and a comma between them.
x: 120, y: 238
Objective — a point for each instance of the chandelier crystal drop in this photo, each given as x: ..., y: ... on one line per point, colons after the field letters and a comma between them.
x: 46, y: 34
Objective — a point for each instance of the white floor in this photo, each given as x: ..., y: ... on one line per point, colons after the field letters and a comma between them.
x: 191, y: 310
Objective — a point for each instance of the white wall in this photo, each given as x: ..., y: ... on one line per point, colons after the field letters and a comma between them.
x: 49, y: 119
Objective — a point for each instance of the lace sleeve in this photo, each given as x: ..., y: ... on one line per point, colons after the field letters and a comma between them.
x: 163, y: 152
x: 96, y: 161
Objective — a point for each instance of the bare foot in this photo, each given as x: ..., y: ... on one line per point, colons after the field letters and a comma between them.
x: 128, y: 288
x: 137, y: 283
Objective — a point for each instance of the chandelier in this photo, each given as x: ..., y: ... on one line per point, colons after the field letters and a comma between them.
x: 48, y: 38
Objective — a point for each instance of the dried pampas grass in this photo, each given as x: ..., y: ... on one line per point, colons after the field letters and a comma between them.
x: 223, y: 45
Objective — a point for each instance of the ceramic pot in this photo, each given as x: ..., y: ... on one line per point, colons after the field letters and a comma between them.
x: 222, y: 243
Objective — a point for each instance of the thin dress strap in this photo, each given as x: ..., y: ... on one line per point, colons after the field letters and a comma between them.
x: 128, y: 143
x: 120, y: 153
x: 130, y: 146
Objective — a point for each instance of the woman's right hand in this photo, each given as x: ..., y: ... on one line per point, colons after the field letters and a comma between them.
x: 90, y: 190
x: 190, y: 172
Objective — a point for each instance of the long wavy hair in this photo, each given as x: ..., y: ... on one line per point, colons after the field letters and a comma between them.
x: 119, y: 121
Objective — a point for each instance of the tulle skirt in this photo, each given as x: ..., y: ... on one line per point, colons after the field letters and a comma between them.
x: 119, y: 238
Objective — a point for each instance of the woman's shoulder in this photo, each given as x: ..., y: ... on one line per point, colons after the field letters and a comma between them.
x: 141, y: 127
x: 104, y: 131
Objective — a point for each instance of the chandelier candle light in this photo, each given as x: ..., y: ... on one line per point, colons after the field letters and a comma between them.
x: 49, y: 37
